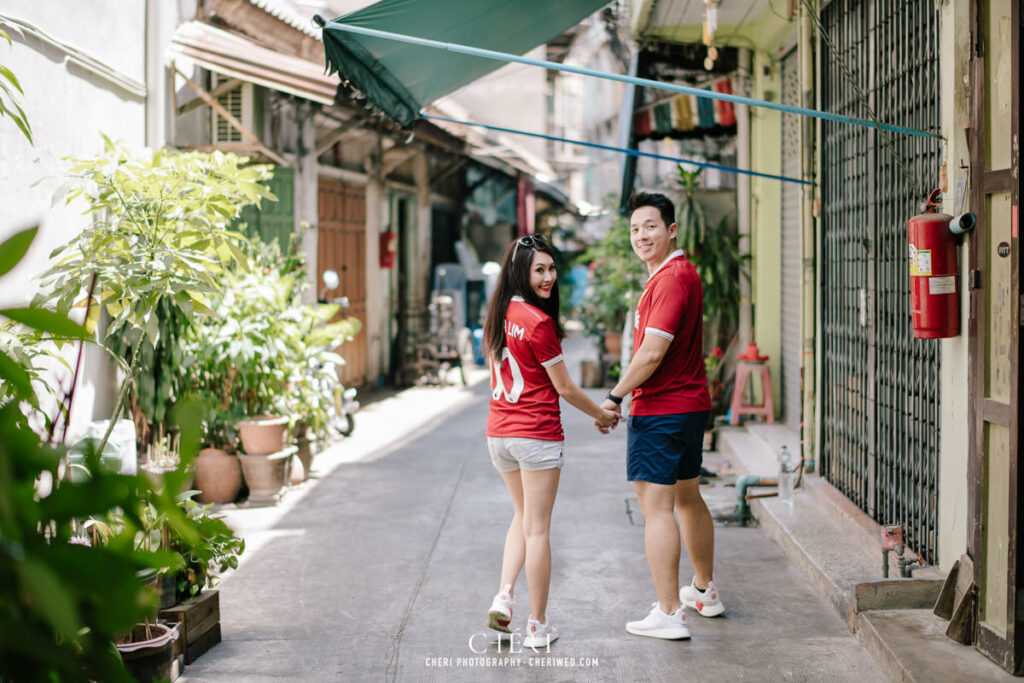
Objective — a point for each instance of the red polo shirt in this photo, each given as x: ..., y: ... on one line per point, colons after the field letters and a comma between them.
x: 672, y: 306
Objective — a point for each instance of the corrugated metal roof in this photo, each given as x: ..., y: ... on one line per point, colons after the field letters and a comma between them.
x: 299, y: 18
x: 232, y: 55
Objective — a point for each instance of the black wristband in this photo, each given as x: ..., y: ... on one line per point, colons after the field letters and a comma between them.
x: 617, y: 400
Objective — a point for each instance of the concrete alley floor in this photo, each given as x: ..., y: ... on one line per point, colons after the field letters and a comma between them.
x: 384, y: 570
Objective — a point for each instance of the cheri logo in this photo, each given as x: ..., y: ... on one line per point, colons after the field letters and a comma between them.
x: 512, y: 643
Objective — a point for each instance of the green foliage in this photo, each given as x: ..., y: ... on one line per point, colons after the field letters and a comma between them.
x: 160, y: 240
x: 616, y: 279
x: 716, y: 255
x: 215, y: 552
x: 265, y: 351
x: 10, y: 92
x: 63, y: 598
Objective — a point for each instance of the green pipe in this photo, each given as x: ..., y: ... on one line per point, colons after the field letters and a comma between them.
x: 744, y: 483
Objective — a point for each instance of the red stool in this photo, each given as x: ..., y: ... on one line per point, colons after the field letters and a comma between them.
x: 744, y: 369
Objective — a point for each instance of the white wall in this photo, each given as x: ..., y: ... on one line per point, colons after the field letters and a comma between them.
x: 68, y: 106
x: 512, y: 97
x: 956, y: 430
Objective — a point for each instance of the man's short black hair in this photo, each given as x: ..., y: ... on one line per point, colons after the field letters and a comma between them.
x: 662, y: 203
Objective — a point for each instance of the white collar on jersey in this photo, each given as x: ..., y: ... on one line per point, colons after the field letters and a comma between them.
x: 674, y: 254
x: 521, y: 299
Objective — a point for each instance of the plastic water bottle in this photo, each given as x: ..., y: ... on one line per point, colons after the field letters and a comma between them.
x: 787, y: 475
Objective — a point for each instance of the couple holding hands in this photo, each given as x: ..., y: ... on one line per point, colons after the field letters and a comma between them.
x: 669, y: 410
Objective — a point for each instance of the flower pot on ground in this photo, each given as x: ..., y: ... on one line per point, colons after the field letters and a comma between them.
x: 263, y: 434
x: 613, y: 343
x: 305, y: 451
x: 218, y: 476
x: 266, y: 474
x: 148, y: 651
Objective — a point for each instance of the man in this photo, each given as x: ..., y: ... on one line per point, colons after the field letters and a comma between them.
x: 669, y: 410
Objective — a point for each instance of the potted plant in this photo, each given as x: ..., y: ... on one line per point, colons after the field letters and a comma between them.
x: 160, y: 240
x: 206, y: 558
x: 64, y: 594
x: 716, y: 255
x: 616, y: 279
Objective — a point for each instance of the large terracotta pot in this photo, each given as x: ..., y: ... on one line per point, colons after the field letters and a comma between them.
x: 613, y: 343
x: 263, y: 434
x: 218, y: 476
x: 266, y: 474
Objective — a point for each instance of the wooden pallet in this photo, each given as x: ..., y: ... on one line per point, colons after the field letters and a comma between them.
x: 199, y: 618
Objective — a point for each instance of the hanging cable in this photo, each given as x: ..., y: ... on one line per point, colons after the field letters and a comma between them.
x: 621, y: 150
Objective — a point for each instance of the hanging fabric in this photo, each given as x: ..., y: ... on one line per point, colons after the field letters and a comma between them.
x: 726, y: 112
x: 663, y: 118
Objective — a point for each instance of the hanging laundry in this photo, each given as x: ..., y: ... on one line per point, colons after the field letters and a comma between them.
x: 663, y: 118
x: 642, y: 123
x: 706, y: 112
x: 725, y: 111
x: 684, y: 115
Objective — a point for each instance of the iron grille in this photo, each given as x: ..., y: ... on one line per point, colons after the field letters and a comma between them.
x: 880, y: 398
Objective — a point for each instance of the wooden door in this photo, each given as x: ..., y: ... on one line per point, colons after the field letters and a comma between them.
x: 993, y: 329
x: 342, y: 247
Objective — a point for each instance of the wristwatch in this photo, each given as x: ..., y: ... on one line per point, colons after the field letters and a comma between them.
x: 617, y: 400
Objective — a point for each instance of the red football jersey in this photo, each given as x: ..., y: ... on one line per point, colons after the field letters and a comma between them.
x: 524, y: 402
x: 672, y: 306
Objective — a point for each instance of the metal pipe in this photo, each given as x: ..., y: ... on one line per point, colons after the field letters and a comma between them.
x: 646, y: 82
x: 742, y: 484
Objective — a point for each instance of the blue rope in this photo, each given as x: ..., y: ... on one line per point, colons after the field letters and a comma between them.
x: 621, y: 150
x: 646, y: 82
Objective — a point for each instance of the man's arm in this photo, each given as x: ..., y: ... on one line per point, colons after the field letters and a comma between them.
x: 645, y: 362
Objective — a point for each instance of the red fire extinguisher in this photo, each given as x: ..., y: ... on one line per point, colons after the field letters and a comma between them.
x: 388, y: 245
x: 934, y: 303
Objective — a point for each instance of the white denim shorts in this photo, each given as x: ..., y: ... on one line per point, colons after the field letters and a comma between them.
x: 510, y: 453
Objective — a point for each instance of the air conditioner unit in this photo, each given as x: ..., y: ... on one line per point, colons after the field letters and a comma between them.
x: 240, y: 103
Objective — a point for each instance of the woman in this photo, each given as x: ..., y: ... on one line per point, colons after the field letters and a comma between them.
x: 522, y: 336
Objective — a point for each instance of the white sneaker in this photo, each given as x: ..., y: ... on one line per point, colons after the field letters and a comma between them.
x: 539, y: 635
x: 657, y: 624
x: 500, y: 614
x: 707, y: 602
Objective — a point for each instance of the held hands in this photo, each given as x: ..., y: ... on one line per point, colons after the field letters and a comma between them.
x: 610, y: 419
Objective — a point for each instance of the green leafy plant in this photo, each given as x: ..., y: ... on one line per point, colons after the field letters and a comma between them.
x: 616, y: 280
x: 63, y: 598
x: 160, y: 237
x: 10, y: 92
x: 215, y: 551
x: 716, y: 255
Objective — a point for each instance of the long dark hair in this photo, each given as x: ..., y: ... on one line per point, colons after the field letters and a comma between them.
x: 514, y: 280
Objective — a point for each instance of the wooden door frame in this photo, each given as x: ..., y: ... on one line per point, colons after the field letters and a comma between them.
x: 1008, y: 650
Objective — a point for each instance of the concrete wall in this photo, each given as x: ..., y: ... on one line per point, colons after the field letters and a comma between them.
x: 954, y: 56
x: 765, y: 223
x: 68, y: 105
x: 513, y: 97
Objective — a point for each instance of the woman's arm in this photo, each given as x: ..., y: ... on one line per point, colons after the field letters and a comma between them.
x: 571, y: 392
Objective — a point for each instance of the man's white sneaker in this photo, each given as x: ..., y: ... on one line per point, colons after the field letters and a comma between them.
x: 707, y: 602
x: 657, y: 624
x: 500, y: 614
x: 539, y: 635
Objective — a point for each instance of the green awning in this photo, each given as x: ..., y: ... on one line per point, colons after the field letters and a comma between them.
x: 400, y: 78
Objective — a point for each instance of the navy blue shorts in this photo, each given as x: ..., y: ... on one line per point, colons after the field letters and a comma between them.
x: 665, y: 448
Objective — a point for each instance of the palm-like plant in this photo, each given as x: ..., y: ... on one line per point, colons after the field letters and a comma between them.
x: 716, y: 255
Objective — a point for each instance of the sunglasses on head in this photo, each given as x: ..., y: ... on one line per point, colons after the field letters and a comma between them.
x: 532, y: 241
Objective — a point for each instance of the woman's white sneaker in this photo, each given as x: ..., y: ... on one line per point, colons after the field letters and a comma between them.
x: 657, y: 624
x: 707, y: 602
x: 539, y: 635
x: 500, y: 614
